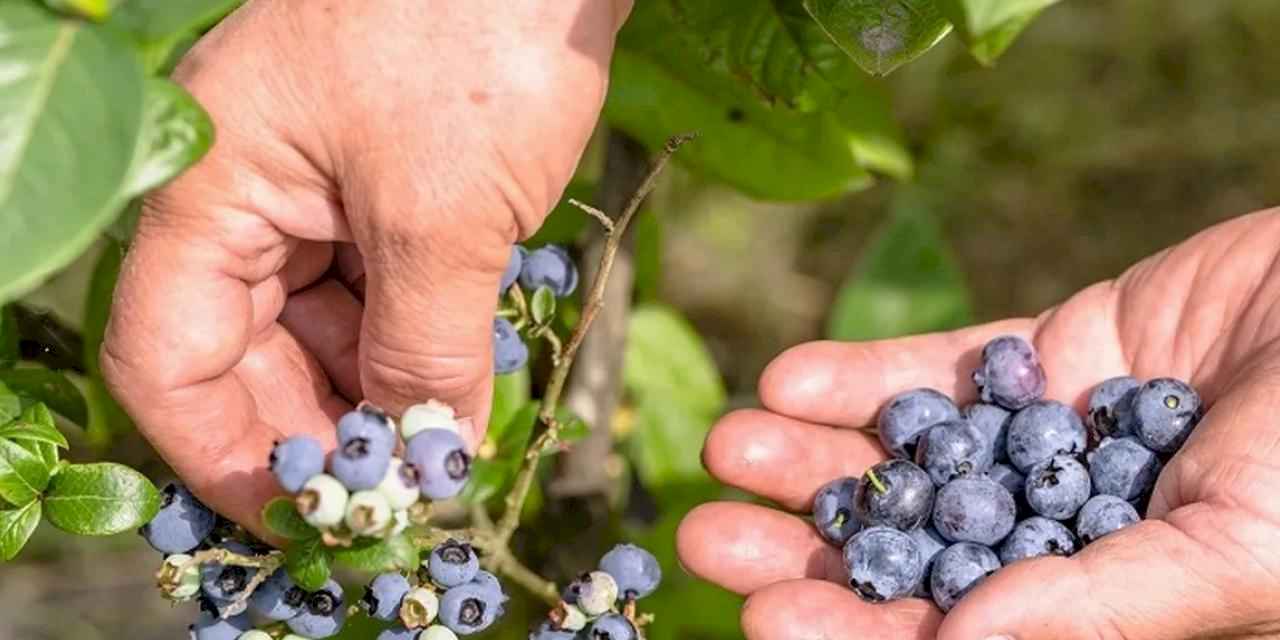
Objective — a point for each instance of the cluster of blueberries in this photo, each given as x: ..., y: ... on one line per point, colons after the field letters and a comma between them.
x: 600, y: 605
x: 1010, y: 477
x: 549, y: 266
x: 453, y: 596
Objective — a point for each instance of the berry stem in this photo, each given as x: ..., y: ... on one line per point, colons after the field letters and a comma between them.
x: 875, y: 481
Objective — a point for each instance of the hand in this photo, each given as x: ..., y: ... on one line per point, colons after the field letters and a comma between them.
x: 1205, y: 564
x: 345, y: 237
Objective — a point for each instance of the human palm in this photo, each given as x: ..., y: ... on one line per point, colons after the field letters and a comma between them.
x: 1206, y: 564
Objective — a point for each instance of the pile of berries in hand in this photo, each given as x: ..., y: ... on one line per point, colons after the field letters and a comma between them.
x: 549, y: 267
x: 1011, y: 477
x: 600, y: 605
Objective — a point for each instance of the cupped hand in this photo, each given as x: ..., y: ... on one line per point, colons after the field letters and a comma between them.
x: 1206, y: 564
x: 345, y: 237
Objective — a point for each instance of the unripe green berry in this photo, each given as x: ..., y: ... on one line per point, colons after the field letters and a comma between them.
x: 255, y: 634
x: 432, y: 414
x: 599, y: 598
x: 368, y: 513
x: 419, y: 608
x: 400, y: 485
x: 179, y: 578
x: 438, y: 632
x: 322, y: 501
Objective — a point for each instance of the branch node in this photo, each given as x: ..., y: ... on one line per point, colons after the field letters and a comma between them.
x: 599, y: 215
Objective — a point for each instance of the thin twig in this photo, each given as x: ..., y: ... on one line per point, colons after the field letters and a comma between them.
x: 599, y: 215
x: 555, y: 386
x: 509, y: 566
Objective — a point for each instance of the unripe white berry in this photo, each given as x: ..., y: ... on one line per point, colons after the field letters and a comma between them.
x: 179, y: 578
x: 254, y: 634
x: 322, y: 501
x: 568, y: 617
x: 400, y: 485
x: 432, y: 414
x: 599, y: 597
x: 368, y: 513
x: 419, y: 607
x: 438, y: 632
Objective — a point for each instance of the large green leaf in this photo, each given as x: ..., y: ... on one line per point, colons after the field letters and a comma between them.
x: 40, y: 431
x: 990, y: 26
x: 162, y: 27
x: 396, y: 553
x: 100, y: 499
x: 308, y: 563
x: 37, y: 431
x: 881, y: 35
x: 16, y: 527
x: 50, y: 387
x: 93, y: 9
x: 10, y: 351
x: 23, y: 473
x: 490, y: 476
x: 656, y: 91
x: 72, y: 103
x: 907, y: 281
x: 176, y: 132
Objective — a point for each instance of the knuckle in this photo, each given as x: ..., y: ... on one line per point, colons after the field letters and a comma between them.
x: 394, y: 377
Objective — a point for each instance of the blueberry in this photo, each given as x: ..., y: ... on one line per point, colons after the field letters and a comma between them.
x: 883, y: 564
x: 931, y: 543
x: 635, y: 570
x: 487, y: 580
x: 277, y: 598
x: 1058, y: 487
x: 210, y: 627
x: 224, y: 583
x: 953, y: 449
x: 400, y: 484
x: 908, y: 415
x: 399, y: 632
x: 549, y: 266
x: 1043, y: 430
x: 1111, y: 406
x: 611, y: 626
x: 469, y: 608
x: 1037, y: 536
x: 255, y: 634
x: 959, y: 569
x: 181, y: 524
x: 360, y: 464
x: 383, y: 595
x: 322, y: 501
x: 594, y: 593
x: 1010, y: 374
x: 431, y: 414
x: 368, y: 423
x: 419, y: 607
x: 547, y: 631
x: 368, y: 513
x: 438, y: 632
x: 894, y: 493
x: 442, y: 462
x: 1102, y: 515
x: 1010, y: 479
x: 510, y: 353
x: 975, y: 509
x: 295, y: 460
x: 567, y: 617
x: 1165, y: 411
x: 453, y: 563
x: 179, y: 577
x: 833, y: 513
x: 1124, y: 468
x: 992, y: 421
x: 513, y: 268
x: 323, y: 615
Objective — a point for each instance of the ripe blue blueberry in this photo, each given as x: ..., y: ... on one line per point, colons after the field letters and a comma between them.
x: 441, y: 459
x: 181, y: 524
x: 210, y: 627
x: 295, y: 460
x: 959, y: 569
x: 488, y: 581
x: 1010, y: 479
x: 1043, y: 430
x: 549, y: 266
x: 894, y: 493
x: 1058, y: 487
x: 399, y: 632
x: 323, y: 615
x: 883, y: 564
x: 931, y: 543
x: 635, y: 570
x: 1111, y: 406
x: 510, y: 353
x: 1165, y: 411
x: 469, y: 608
x: 908, y: 415
x: 611, y: 626
x: 365, y: 444
x: 277, y: 598
x: 369, y: 423
x: 224, y: 583
x: 512, y: 271
x: 1010, y: 374
x: 1102, y: 515
x: 383, y: 595
x: 976, y: 509
x: 1124, y: 468
x: 548, y: 631
x: 1037, y: 536
x: 453, y: 563
x: 953, y: 449
x: 993, y: 422
x: 833, y: 513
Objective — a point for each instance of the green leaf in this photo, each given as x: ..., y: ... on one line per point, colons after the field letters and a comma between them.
x: 97, y: 306
x: 33, y: 431
x: 92, y: 9
x: 281, y: 517
x: 574, y: 429
x: 990, y: 26
x: 393, y: 554
x: 489, y: 477
x: 73, y: 104
x: 176, y: 133
x: 50, y: 387
x: 38, y: 416
x: 510, y: 394
x: 10, y: 404
x: 769, y: 153
x: 23, y: 473
x: 307, y: 563
x: 162, y: 27
x: 565, y: 222
x: 100, y: 499
x: 543, y: 305
x: 880, y: 35
x: 906, y: 282
x: 16, y: 527
x: 666, y: 442
x: 10, y: 351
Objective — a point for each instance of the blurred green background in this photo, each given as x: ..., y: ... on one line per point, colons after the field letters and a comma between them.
x: 1108, y: 131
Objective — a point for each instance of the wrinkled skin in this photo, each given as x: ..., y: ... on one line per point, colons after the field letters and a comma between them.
x: 346, y: 236
x: 1205, y: 564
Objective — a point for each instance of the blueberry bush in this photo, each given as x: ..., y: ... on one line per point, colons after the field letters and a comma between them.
x: 784, y: 102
